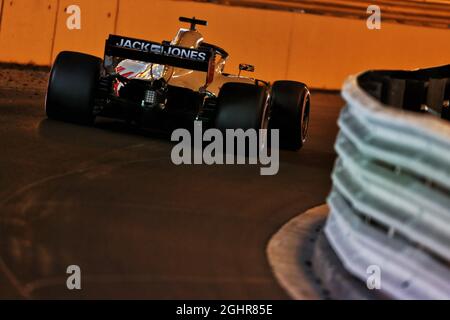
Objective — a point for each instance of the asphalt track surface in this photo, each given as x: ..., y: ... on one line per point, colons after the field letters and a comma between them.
x: 109, y: 199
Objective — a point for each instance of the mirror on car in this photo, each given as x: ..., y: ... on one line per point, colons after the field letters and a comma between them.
x: 246, y: 67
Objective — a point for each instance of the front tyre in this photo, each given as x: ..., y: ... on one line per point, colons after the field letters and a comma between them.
x: 72, y: 86
x: 241, y: 106
x: 290, y: 108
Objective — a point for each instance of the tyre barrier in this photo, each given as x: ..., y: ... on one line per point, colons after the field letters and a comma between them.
x: 390, y: 200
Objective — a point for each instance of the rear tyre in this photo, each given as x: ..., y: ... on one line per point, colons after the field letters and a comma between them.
x: 290, y: 109
x: 72, y: 86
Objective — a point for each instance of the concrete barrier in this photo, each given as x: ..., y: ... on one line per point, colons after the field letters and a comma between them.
x: 325, y: 50
x: 98, y: 19
x: 283, y: 45
x: 1, y: 9
x: 27, y: 31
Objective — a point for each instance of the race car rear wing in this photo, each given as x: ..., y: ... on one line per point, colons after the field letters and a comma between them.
x: 165, y: 54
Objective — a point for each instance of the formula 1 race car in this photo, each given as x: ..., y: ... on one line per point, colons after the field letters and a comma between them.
x: 169, y: 85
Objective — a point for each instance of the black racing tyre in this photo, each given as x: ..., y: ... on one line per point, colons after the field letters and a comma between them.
x: 290, y: 108
x: 241, y: 106
x: 71, y: 87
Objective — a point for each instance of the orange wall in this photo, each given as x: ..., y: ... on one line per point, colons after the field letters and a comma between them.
x: 26, y: 33
x: 97, y: 22
x: 318, y: 50
x: 1, y: 8
x: 326, y: 49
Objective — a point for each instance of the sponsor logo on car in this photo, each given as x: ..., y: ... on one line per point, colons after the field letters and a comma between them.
x: 172, y: 51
